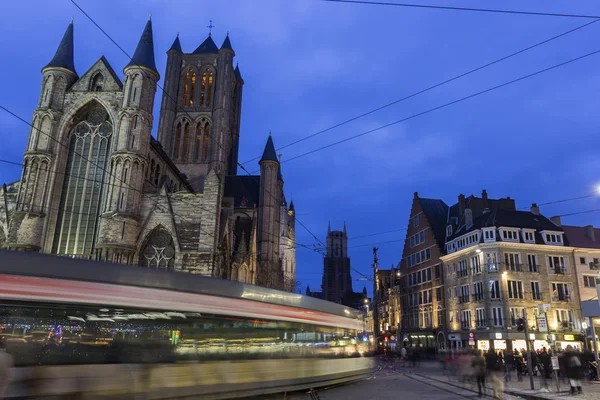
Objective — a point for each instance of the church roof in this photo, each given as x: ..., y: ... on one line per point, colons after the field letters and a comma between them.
x: 244, y: 189
x: 237, y: 72
x: 269, y: 154
x: 226, y: 43
x: 279, y: 176
x: 64, y: 57
x: 208, y: 46
x: 144, y: 53
x: 176, y: 45
x: 292, y: 205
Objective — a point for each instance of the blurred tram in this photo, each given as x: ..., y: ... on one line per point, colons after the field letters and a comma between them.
x: 111, y: 331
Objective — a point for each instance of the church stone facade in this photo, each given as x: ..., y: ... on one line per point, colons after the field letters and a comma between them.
x: 95, y: 184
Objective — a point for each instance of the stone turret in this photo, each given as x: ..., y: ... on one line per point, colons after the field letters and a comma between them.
x: 268, y: 214
x: 26, y: 229
x: 128, y: 161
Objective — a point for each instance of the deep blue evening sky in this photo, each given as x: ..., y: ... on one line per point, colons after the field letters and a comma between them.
x: 309, y: 65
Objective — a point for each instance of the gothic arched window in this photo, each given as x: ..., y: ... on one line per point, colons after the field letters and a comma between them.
x: 186, y: 142
x: 203, y: 88
x: 209, y: 89
x: 97, y: 83
x: 84, y: 181
x: 159, y: 250
x: 177, y: 141
x: 185, y: 88
x: 198, y: 143
x: 192, y: 87
x: 205, y: 142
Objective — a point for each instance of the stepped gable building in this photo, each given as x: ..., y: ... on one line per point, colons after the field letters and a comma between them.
x: 95, y: 184
x: 421, y: 286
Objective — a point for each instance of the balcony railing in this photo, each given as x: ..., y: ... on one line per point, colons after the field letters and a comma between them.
x: 561, y: 297
x: 514, y: 267
x: 477, y: 296
x: 534, y: 267
x: 558, y: 270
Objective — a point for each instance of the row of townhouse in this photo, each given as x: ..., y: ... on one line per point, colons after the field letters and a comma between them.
x: 471, y: 271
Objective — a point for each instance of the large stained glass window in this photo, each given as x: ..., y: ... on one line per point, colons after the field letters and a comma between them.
x: 84, y: 181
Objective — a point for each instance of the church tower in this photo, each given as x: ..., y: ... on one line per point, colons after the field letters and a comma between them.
x: 201, y: 110
x: 337, y: 281
x: 39, y: 158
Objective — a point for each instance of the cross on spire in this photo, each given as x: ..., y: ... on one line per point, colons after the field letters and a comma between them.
x: 210, y: 26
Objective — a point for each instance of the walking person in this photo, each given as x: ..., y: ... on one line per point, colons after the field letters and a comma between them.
x: 478, y: 365
x: 494, y: 369
x: 574, y: 370
x: 6, y: 368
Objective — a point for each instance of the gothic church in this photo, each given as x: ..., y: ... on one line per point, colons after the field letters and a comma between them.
x: 95, y: 183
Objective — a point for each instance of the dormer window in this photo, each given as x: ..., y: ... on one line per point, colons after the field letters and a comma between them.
x: 449, y: 231
x: 554, y: 238
x: 528, y: 236
x: 489, y: 235
x: 509, y: 235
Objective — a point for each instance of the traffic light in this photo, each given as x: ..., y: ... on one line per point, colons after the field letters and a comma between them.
x: 520, y: 325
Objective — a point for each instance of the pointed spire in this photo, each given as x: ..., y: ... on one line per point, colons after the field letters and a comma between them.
x: 328, y: 227
x: 226, y: 43
x: 292, y: 208
x: 237, y: 72
x: 208, y: 46
x: 64, y: 57
x: 269, y: 154
x: 344, y: 228
x: 176, y: 46
x: 144, y: 53
x: 279, y: 176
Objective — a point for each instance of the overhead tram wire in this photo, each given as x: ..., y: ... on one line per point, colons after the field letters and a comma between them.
x: 443, y: 105
x: 174, y: 101
x: 579, y: 212
x: 453, y: 8
x: 158, y: 206
x: 161, y: 208
x: 431, y: 87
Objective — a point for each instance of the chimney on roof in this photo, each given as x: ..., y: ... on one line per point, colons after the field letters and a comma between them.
x: 468, y: 217
x: 589, y: 232
x: 556, y: 220
x: 484, y: 198
x: 461, y: 204
x: 535, y: 209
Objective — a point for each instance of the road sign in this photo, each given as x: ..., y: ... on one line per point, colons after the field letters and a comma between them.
x: 554, y: 360
x: 542, y: 323
x: 543, y: 308
x: 471, y: 342
x: 471, y: 335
